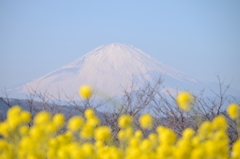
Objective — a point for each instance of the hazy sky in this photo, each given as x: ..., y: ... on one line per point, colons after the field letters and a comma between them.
x: 200, y: 38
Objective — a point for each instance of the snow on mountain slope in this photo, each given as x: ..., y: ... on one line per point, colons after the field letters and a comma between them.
x: 109, y: 68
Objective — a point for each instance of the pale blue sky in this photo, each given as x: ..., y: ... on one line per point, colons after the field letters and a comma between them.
x: 200, y: 38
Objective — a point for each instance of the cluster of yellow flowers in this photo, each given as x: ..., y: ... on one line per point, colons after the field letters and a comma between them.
x: 233, y: 111
x: 185, y: 100
x: 86, y: 138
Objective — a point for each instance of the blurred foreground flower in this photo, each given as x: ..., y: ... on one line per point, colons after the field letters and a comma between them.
x: 125, y: 121
x: 233, y: 111
x: 146, y: 121
x: 185, y: 100
x: 102, y: 133
x: 85, y: 91
x: 86, y: 139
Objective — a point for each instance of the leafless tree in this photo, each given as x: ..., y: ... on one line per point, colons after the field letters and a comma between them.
x: 148, y: 99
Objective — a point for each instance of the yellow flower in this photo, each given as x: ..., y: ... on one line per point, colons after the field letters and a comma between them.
x: 94, y: 121
x: 99, y: 144
x: 25, y: 142
x: 188, y: 133
x: 233, y: 111
x: 198, y: 153
x: 58, y: 120
x: 102, y: 133
x: 87, y: 131
x: 36, y: 132
x: 4, y: 129
x: 25, y: 116
x: 125, y: 121
x: 44, y: 140
x: 205, y: 129
x: 50, y: 128
x: 185, y: 100
x: 125, y: 134
x: 91, y: 117
x: 152, y: 137
x: 236, y: 148
x: 145, y: 145
x: 121, y: 135
x: 138, y: 134
x: 85, y: 91
x: 68, y: 135
x: 3, y: 144
x: 14, y: 122
x: 134, y: 142
x: 129, y: 132
x: 220, y: 123
x: 14, y: 111
x: 166, y: 135
x: 24, y: 130
x: 75, y: 123
x: 88, y: 149
x: 146, y: 121
x: 42, y: 117
x: 89, y: 113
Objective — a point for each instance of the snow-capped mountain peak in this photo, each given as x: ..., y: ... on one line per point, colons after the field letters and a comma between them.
x: 108, y: 68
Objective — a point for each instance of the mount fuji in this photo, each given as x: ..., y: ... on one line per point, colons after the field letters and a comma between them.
x: 110, y: 69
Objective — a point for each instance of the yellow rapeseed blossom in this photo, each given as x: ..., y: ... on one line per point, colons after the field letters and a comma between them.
x: 51, y: 128
x: 87, y: 131
x: 42, y: 117
x: 75, y: 123
x: 102, y: 133
x: 138, y: 134
x: 89, y: 113
x: 233, y: 110
x: 4, y: 129
x: 145, y: 145
x: 125, y: 121
x: 198, y: 153
x: 24, y: 130
x: 85, y: 91
x: 14, y: 111
x: 206, y: 129
x: 185, y: 100
x: 85, y: 140
x: 25, y: 116
x: 166, y: 135
x: 88, y: 149
x: 122, y: 135
x: 235, y: 151
x: 94, y: 121
x: 219, y: 123
x: 188, y: 133
x: 146, y: 121
x: 14, y: 122
x: 125, y: 134
x: 59, y: 120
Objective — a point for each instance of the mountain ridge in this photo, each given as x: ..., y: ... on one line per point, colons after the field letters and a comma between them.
x: 110, y: 68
